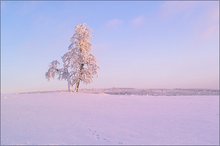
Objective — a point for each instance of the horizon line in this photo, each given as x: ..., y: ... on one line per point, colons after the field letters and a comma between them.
x: 61, y: 90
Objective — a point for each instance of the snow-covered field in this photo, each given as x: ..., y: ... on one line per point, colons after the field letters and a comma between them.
x: 67, y: 118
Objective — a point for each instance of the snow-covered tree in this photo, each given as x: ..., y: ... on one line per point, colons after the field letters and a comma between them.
x: 79, y: 65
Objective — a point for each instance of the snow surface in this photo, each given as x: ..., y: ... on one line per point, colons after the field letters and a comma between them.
x: 70, y: 118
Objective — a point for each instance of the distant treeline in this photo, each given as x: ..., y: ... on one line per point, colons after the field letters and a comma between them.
x: 134, y: 91
x: 153, y: 92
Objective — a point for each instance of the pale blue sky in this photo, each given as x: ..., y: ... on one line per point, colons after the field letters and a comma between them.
x: 137, y: 44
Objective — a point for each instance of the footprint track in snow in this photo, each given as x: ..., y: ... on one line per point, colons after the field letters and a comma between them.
x: 97, y: 136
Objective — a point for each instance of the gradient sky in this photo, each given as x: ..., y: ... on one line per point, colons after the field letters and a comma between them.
x: 137, y: 44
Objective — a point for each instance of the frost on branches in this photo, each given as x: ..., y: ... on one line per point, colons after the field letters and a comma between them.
x: 78, y: 63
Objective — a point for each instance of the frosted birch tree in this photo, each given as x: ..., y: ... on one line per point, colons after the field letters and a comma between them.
x: 79, y: 65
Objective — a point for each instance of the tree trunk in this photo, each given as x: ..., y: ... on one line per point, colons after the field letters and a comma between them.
x: 68, y: 85
x: 77, y: 84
